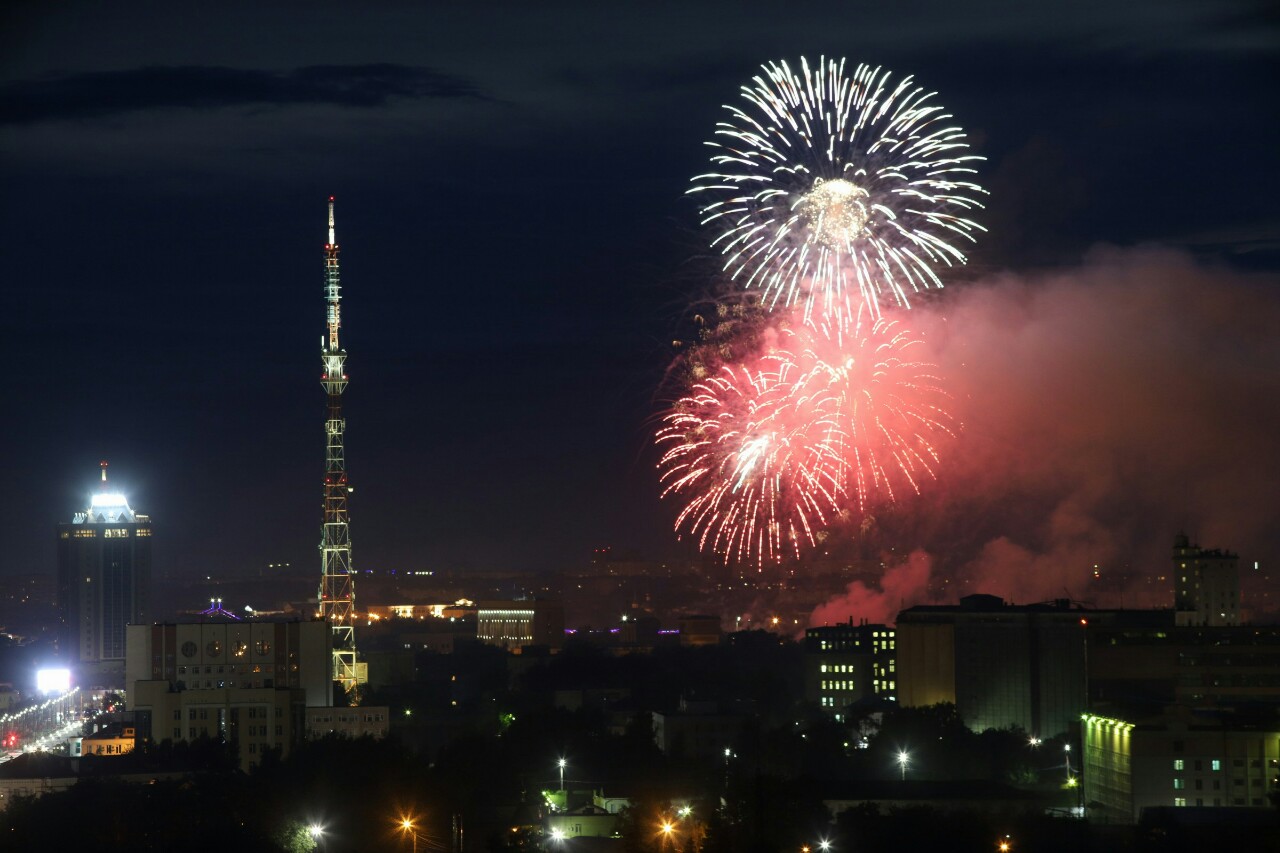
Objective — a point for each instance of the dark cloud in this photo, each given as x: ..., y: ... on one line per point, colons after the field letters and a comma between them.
x: 95, y: 94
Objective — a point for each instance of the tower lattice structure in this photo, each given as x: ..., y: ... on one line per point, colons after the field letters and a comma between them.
x: 337, y: 587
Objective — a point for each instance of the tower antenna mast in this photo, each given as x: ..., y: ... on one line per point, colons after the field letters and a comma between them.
x: 337, y: 588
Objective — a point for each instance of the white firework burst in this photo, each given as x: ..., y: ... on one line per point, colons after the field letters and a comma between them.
x: 838, y: 191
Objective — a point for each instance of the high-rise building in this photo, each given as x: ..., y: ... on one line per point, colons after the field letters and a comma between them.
x: 104, y: 580
x: 1207, y: 584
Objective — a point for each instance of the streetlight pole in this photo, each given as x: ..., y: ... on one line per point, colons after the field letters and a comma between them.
x: 561, y: 764
x: 406, y: 825
x: 903, y: 758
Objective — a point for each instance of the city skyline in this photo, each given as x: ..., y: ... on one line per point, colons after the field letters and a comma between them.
x: 518, y: 256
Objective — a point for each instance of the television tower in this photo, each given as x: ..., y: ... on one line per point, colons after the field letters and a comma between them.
x: 337, y: 588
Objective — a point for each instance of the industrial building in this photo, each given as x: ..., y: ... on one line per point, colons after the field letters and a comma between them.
x: 1001, y: 664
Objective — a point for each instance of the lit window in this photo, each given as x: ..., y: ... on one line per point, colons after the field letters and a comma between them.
x: 1179, y: 801
x: 1179, y: 784
x: 1177, y: 764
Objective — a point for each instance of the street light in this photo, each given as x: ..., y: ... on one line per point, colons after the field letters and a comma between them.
x: 561, y: 764
x: 406, y: 825
x: 903, y: 759
x: 824, y: 845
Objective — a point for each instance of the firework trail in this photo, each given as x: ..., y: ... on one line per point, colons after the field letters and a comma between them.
x: 828, y: 421
x: 837, y: 190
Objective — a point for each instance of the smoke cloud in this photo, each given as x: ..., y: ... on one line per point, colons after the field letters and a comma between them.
x: 1104, y: 409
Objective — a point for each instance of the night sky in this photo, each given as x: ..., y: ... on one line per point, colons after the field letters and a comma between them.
x: 518, y: 256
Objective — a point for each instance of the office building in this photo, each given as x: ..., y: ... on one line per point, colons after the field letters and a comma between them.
x: 104, y: 581
x: 247, y: 683
x: 1178, y: 759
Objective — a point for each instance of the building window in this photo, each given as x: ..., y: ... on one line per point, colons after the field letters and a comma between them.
x: 1216, y: 764
x: 1179, y: 801
x: 1178, y: 763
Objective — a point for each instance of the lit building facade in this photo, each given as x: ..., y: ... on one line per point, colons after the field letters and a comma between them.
x: 1206, y: 584
x: 512, y: 625
x: 104, y: 583
x: 1177, y: 760
x: 111, y: 742
x: 1002, y: 665
x: 845, y: 664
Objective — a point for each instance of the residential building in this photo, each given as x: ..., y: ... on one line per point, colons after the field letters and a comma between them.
x: 1206, y: 584
x: 846, y: 664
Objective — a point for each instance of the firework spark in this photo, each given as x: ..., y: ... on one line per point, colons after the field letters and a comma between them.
x: 889, y: 406
x: 838, y: 191
x: 756, y: 457
x: 828, y: 422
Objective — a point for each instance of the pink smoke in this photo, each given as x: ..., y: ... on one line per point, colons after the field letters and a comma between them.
x: 1104, y: 409
x: 901, y: 586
